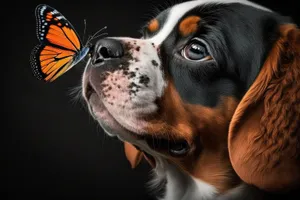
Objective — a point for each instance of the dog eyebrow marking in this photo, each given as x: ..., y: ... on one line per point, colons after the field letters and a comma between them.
x: 180, y: 10
x: 153, y: 25
x: 189, y: 25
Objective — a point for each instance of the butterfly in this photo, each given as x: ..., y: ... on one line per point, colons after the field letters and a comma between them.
x: 60, y: 47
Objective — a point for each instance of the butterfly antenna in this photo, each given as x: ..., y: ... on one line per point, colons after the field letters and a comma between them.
x: 99, y: 35
x: 95, y: 34
x: 88, y: 40
x: 84, y: 30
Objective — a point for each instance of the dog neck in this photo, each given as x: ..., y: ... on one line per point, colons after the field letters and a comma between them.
x: 181, y: 186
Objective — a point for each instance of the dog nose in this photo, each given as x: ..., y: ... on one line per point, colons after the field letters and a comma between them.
x: 106, y: 49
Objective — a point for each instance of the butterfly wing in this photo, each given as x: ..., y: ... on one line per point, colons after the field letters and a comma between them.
x: 60, y: 47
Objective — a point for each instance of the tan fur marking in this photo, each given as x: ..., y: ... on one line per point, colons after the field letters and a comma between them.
x: 189, y: 25
x: 205, y: 129
x: 133, y: 155
x: 153, y: 25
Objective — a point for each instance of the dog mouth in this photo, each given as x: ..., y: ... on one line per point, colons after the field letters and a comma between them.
x: 173, y: 147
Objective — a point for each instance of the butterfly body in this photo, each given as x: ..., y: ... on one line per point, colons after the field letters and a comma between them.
x: 60, y: 47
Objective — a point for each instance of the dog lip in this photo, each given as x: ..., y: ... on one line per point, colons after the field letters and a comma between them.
x: 98, y: 107
x: 89, y: 91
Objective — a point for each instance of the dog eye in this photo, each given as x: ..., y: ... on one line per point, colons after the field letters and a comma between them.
x: 195, y: 51
x: 178, y: 148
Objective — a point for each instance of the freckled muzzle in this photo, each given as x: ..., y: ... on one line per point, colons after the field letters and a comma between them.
x: 125, y: 76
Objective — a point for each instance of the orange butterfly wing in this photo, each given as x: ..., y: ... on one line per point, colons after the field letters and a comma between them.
x: 60, y: 47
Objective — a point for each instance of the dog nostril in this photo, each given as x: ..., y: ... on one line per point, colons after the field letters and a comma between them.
x: 105, y: 52
x: 97, y: 60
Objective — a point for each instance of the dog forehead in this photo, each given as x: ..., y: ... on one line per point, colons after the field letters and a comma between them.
x: 176, y: 12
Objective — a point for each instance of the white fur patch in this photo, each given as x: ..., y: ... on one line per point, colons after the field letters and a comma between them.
x: 181, y: 186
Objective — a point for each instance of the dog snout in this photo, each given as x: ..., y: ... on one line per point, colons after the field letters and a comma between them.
x: 106, y: 49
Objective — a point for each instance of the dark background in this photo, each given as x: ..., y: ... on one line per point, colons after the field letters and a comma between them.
x: 51, y: 146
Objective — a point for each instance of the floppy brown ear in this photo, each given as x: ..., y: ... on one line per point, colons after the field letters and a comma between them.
x: 264, y: 134
x: 133, y: 155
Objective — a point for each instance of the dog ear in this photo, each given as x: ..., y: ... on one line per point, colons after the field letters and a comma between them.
x: 133, y: 155
x: 264, y: 134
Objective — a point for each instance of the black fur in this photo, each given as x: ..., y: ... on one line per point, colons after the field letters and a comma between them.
x: 239, y: 38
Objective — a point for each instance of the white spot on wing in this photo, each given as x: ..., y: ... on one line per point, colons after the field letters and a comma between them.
x: 42, y: 10
x: 54, y: 12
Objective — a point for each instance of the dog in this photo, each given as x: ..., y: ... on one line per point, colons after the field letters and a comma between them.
x: 209, y: 96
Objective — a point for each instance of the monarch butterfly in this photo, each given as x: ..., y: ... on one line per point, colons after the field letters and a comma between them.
x: 60, y: 47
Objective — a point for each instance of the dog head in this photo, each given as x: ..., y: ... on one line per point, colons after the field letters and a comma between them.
x: 212, y: 87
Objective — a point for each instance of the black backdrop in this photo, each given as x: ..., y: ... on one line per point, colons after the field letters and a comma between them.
x: 51, y: 146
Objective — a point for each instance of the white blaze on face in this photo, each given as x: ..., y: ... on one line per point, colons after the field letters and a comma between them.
x: 180, y: 10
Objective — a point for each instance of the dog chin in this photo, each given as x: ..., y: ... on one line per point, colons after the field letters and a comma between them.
x: 114, y: 126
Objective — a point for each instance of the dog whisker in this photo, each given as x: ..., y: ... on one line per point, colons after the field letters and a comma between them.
x: 76, y: 96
